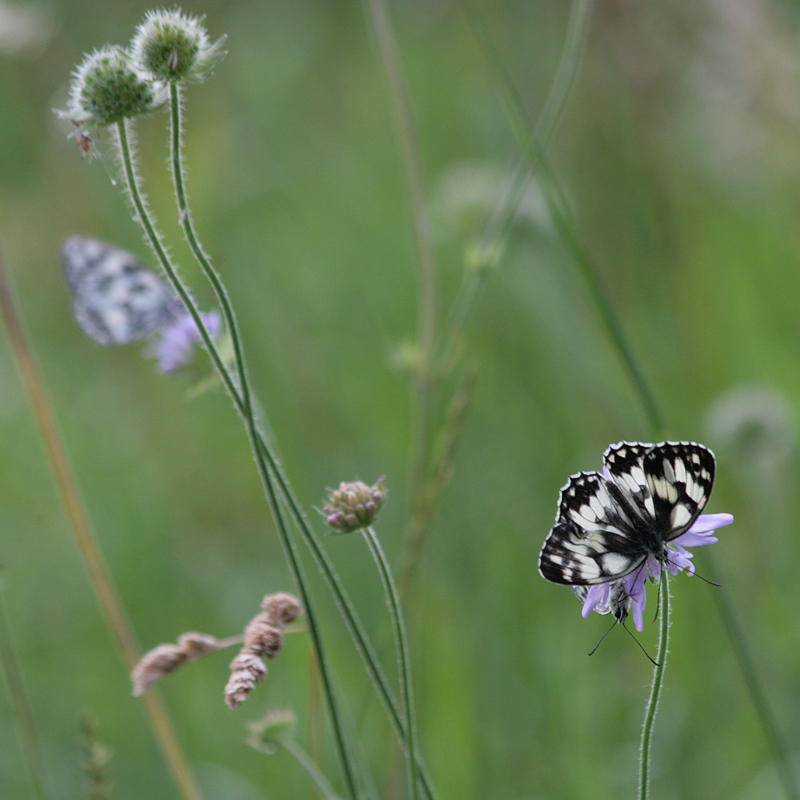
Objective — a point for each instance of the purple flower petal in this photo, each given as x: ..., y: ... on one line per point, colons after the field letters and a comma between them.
x: 710, y: 522
x: 176, y: 346
x: 596, y: 596
x: 634, y: 586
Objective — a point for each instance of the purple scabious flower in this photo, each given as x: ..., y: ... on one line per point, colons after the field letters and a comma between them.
x: 629, y: 592
x: 176, y: 345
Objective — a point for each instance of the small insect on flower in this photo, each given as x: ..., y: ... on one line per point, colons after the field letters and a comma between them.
x: 617, y: 529
x: 117, y: 300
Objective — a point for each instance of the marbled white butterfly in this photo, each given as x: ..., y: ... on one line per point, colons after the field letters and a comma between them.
x: 116, y: 299
x: 609, y: 524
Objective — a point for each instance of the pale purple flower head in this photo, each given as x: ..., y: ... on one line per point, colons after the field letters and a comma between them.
x: 629, y: 592
x: 176, y: 345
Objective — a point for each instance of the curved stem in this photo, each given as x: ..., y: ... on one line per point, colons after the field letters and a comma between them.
x: 176, y: 163
x: 280, y: 522
x: 312, y: 770
x: 655, y: 690
x: 401, y: 642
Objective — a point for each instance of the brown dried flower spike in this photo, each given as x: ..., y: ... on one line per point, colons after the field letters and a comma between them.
x: 263, y: 637
x: 166, y: 658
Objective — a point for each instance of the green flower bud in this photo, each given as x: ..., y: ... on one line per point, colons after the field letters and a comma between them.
x: 173, y: 46
x: 276, y: 726
x: 107, y: 88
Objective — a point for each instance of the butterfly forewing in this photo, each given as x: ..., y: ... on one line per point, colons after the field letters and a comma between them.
x: 116, y: 299
x: 607, y: 526
x: 680, y: 476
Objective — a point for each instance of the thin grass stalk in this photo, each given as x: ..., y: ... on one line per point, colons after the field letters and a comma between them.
x: 99, y: 574
x: 498, y: 226
x: 381, y: 25
x: 557, y: 207
x: 403, y: 659
x: 655, y: 690
x: 20, y: 703
x: 345, y: 606
x: 153, y: 238
x: 754, y: 684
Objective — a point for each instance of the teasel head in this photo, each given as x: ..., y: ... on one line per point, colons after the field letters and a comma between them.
x: 172, y: 46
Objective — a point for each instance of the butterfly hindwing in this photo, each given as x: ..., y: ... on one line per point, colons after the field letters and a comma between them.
x: 116, y: 299
x: 593, y: 540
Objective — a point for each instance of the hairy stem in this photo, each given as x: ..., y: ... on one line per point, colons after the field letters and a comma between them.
x: 401, y: 642
x: 655, y: 690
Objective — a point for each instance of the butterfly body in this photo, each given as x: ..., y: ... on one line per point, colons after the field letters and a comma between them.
x: 609, y: 524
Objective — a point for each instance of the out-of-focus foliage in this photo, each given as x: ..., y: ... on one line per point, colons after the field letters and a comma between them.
x: 679, y: 149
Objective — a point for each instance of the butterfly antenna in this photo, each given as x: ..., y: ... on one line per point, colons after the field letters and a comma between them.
x: 641, y: 646
x: 706, y: 580
x: 594, y: 650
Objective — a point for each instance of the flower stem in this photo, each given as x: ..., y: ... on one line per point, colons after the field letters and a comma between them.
x: 99, y: 575
x: 401, y: 642
x: 313, y: 771
x: 655, y: 690
x: 345, y: 606
x: 253, y: 434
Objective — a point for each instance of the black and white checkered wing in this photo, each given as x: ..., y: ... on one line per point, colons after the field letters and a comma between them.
x: 596, y: 538
x: 116, y: 299
x: 670, y: 483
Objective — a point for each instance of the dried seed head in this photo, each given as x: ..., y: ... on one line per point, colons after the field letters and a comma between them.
x: 354, y: 505
x: 281, y: 607
x: 263, y: 637
x: 247, y: 669
x: 271, y: 730
x: 173, y: 46
x: 107, y: 88
x: 166, y: 658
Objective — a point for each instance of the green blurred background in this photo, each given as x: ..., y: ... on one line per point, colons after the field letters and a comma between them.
x: 679, y: 149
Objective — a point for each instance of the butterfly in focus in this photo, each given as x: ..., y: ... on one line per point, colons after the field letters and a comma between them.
x: 115, y: 298
x: 609, y: 524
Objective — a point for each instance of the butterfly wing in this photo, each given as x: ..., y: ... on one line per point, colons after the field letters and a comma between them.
x: 116, y: 299
x: 669, y: 483
x: 595, y: 538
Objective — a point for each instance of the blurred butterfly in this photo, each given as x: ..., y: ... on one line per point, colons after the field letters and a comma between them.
x: 117, y: 300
